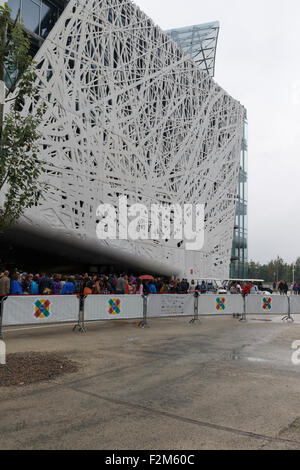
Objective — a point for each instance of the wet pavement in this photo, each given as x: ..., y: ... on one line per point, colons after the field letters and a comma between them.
x: 221, y: 384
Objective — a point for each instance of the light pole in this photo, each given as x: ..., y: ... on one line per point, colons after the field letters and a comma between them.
x: 293, y: 274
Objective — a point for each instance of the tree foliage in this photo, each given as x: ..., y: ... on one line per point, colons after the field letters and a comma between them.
x: 274, y: 271
x: 20, y: 167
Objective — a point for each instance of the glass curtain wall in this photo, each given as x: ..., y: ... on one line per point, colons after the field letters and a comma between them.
x: 239, y: 259
x: 200, y: 42
x: 39, y: 16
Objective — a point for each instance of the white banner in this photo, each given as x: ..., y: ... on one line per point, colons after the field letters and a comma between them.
x: 267, y: 305
x: 170, y: 305
x: 295, y: 304
x: 113, y: 307
x: 220, y: 304
x: 40, y: 309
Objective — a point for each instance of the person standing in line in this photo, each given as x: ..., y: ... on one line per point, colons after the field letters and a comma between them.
x: 34, y: 287
x: 139, y: 287
x: 69, y: 287
x: 5, y: 283
x: 203, y: 288
x: 238, y: 288
x: 192, y: 286
x: 151, y: 288
x: 121, y: 285
x: 281, y: 288
x: 184, y: 286
x: 45, y: 283
x: 15, y: 286
x: 296, y: 288
x: 56, y: 285
x: 233, y: 289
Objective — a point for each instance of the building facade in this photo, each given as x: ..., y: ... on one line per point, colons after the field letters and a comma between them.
x: 128, y: 113
x: 200, y: 42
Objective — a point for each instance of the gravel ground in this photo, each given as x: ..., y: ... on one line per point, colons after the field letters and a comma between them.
x: 33, y: 367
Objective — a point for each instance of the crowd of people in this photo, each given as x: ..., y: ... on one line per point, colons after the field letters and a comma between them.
x: 58, y: 284
x: 283, y: 288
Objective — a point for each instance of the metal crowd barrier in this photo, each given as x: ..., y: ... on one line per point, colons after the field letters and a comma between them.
x: 238, y: 305
x: 52, y: 309
x: 19, y: 310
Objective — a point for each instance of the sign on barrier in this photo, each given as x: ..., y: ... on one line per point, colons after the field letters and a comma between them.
x: 171, y: 305
x: 220, y: 304
x: 113, y: 307
x: 41, y: 309
x: 267, y: 304
x: 295, y: 304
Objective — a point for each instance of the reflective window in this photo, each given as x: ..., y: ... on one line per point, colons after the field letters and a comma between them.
x: 31, y: 15
x: 14, y: 5
x: 240, y: 244
x: 39, y: 16
x: 49, y: 15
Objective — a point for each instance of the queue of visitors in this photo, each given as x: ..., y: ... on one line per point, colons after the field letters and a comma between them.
x: 86, y: 284
x: 57, y: 284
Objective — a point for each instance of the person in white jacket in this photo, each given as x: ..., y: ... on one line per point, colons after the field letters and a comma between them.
x: 254, y: 290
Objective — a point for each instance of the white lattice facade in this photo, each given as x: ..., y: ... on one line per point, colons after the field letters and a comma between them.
x: 128, y: 113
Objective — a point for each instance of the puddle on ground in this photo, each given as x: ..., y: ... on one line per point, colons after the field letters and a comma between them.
x: 236, y: 356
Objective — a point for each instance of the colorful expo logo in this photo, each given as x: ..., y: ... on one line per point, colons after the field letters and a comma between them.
x: 267, y: 303
x: 114, y: 306
x: 42, y: 308
x: 221, y: 304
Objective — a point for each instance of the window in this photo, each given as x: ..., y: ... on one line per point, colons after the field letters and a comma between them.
x: 49, y: 16
x: 14, y: 5
x: 31, y: 15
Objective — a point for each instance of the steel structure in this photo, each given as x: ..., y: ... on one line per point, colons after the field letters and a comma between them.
x: 129, y: 113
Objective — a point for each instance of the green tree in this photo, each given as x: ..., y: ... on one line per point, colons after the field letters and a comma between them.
x: 20, y: 167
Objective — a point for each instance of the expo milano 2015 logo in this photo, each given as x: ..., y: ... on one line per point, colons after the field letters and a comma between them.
x: 159, y: 222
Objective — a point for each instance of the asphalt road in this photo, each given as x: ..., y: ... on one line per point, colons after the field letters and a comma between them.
x: 218, y: 385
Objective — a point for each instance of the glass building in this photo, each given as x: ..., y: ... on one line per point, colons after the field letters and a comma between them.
x: 239, y: 259
x: 200, y: 42
x: 38, y: 16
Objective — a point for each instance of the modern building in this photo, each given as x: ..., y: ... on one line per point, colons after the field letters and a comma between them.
x: 200, y: 42
x: 128, y: 113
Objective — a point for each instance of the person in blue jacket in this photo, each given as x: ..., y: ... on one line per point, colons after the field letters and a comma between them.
x: 15, y: 286
x: 151, y: 288
x: 69, y: 287
x: 34, y: 287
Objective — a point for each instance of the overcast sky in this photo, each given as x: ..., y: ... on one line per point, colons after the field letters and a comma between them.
x: 258, y: 63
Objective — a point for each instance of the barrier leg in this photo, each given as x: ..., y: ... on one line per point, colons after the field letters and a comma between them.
x: 144, y: 323
x: 2, y: 300
x: 80, y: 324
x: 288, y: 317
x: 244, y: 316
x: 196, y: 319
